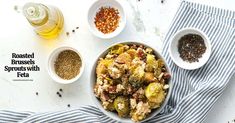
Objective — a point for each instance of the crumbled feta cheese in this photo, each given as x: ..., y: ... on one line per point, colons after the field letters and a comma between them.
x: 142, y: 108
x: 99, y: 90
x: 105, y: 104
x: 119, y: 88
x: 105, y: 87
x: 133, y: 103
x: 115, y: 72
x: 99, y: 81
x: 120, y: 106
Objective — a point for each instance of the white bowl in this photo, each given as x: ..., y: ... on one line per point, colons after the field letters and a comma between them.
x: 174, y: 53
x: 114, y: 115
x: 51, y: 61
x: 95, y: 8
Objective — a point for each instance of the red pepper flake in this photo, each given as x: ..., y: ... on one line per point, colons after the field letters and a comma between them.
x: 107, y: 19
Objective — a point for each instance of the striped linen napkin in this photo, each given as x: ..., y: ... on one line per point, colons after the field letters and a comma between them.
x: 194, y: 92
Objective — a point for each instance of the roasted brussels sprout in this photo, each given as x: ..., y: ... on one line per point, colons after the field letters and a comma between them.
x: 132, y: 53
x: 157, y: 72
x: 102, y: 66
x: 155, y: 93
x: 160, y: 63
x: 149, y: 77
x: 153, y: 105
x: 122, y: 106
x: 137, y: 77
x: 117, y: 49
x: 124, y: 58
x: 151, y: 63
x: 110, y: 107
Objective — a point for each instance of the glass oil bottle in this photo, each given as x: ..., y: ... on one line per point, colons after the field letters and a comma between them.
x: 47, y: 21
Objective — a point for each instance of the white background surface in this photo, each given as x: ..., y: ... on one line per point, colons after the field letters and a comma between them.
x: 147, y: 20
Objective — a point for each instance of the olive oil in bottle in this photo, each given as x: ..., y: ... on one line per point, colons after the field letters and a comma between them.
x: 47, y: 21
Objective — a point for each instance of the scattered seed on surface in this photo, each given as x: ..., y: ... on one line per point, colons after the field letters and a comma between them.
x: 36, y: 93
x: 68, y: 105
x: 73, y: 30
x: 16, y: 7
x: 57, y: 92
x: 61, y: 90
x: 77, y: 27
x: 67, y: 33
x: 162, y: 1
x: 60, y: 95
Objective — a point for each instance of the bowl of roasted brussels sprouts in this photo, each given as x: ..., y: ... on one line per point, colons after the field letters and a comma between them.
x: 130, y: 82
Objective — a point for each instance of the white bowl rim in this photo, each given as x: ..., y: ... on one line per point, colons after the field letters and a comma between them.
x: 54, y: 76
x: 112, y: 34
x: 115, y: 117
x: 207, y: 41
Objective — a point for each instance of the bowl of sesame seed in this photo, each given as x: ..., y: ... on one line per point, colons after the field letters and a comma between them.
x: 65, y: 65
x: 106, y: 18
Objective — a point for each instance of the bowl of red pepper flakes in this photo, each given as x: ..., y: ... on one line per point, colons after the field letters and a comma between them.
x: 106, y: 18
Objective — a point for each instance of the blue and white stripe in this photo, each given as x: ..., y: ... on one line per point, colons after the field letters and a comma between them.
x: 194, y: 92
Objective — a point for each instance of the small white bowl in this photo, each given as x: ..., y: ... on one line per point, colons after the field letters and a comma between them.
x: 174, y: 53
x: 95, y: 8
x: 51, y: 61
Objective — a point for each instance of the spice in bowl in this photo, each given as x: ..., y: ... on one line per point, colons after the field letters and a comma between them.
x: 107, y: 19
x: 191, y: 47
x: 67, y: 64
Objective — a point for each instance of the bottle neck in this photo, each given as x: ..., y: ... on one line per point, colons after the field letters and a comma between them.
x: 36, y: 14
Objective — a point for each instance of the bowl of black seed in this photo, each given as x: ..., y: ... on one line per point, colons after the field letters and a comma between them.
x: 190, y: 48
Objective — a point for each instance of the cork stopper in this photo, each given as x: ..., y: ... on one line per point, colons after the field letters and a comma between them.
x: 35, y: 13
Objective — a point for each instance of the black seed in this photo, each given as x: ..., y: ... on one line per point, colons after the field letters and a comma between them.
x: 61, y: 90
x: 58, y: 93
x: 191, y: 47
x: 77, y: 27
x: 73, y: 30
x: 67, y: 33
x: 36, y: 93
x: 68, y: 105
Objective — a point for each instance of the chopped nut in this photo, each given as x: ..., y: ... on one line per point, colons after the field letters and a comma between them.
x: 166, y: 75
